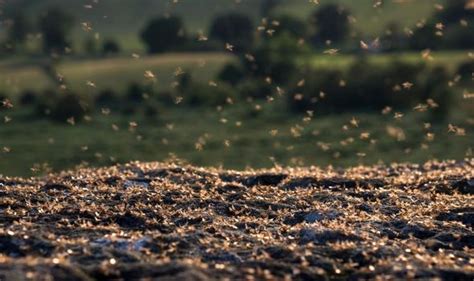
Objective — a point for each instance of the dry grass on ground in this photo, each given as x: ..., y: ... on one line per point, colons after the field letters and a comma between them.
x: 179, y: 222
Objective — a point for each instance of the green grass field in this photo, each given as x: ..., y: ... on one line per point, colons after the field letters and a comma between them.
x: 113, y: 73
x: 273, y: 133
x: 116, y: 73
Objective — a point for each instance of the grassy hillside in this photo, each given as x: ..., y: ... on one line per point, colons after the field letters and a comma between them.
x: 370, y: 20
x: 211, y: 138
x: 123, y: 19
x: 114, y: 73
x: 117, y: 73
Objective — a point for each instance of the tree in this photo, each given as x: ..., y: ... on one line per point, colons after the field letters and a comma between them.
x: 232, y: 74
x: 294, y: 26
x: 110, y: 47
x: 455, y: 11
x: 68, y: 106
x: 235, y: 29
x: 18, y: 31
x: 276, y: 58
x: 330, y: 23
x: 55, y: 26
x: 394, y: 39
x: 452, y: 35
x: 90, y: 46
x: 457, y: 36
x: 267, y: 6
x: 163, y: 34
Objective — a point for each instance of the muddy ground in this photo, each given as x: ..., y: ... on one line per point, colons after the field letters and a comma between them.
x: 158, y: 221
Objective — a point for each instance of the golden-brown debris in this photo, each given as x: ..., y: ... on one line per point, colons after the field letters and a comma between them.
x: 155, y: 220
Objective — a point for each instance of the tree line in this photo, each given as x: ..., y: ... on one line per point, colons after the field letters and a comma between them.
x: 328, y: 25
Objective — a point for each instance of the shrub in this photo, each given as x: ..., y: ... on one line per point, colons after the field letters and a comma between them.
x: 134, y: 93
x: 394, y: 38
x: 454, y: 11
x: 308, y: 96
x: 457, y: 37
x: 425, y: 38
x: 454, y: 35
x: 231, y: 74
x: 196, y: 45
x: 330, y: 22
x: 128, y: 109
x: 275, y: 58
x: 18, y: 31
x: 151, y: 110
x: 163, y: 34
x: 205, y: 95
x: 46, y: 102
x: 166, y: 97
x: 368, y: 87
x: 185, y: 81
x: 291, y: 25
x: 68, y: 106
x: 55, y: 27
x: 466, y: 70
x: 90, y: 46
x: 435, y: 87
x: 28, y: 97
x: 255, y: 89
x: 107, y: 98
x: 267, y: 7
x: 372, y: 87
x: 234, y: 28
x: 110, y: 47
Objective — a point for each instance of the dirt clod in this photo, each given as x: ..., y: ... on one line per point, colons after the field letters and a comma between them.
x: 156, y: 221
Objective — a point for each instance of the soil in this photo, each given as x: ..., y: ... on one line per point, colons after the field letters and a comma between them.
x: 159, y: 221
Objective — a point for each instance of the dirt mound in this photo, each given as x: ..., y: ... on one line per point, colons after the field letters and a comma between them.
x: 157, y: 221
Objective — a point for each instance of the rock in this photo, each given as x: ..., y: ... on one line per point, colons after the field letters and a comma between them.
x: 305, y: 182
x: 366, y: 208
x: 222, y: 256
x: 250, y: 181
x: 326, y: 236
x: 417, y: 231
x: 311, y: 217
x: 9, y: 247
x: 446, y: 274
x: 129, y: 221
x: 390, y: 233
x: 137, y: 182
x: 112, y: 181
x: 231, y: 188
x: 463, y: 215
x: 435, y: 245
x: 280, y: 253
x: 55, y: 187
x: 318, y: 216
x: 467, y: 241
x: 264, y: 179
x: 445, y: 237
x: 398, y: 223
x: 123, y: 244
x: 389, y: 210
x: 465, y: 186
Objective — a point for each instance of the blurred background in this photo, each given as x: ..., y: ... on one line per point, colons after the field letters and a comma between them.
x: 234, y: 83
